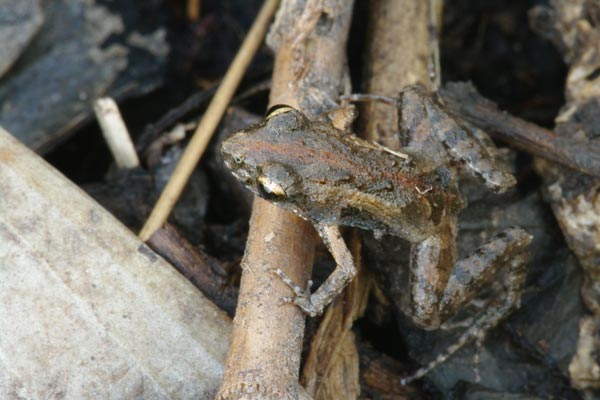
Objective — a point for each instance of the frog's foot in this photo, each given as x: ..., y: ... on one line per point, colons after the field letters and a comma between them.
x: 314, y: 304
x: 301, y: 297
x: 304, y: 303
x: 298, y: 291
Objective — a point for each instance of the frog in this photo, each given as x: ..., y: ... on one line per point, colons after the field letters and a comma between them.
x: 328, y: 176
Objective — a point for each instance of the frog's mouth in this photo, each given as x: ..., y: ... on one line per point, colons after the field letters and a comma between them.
x: 243, y: 176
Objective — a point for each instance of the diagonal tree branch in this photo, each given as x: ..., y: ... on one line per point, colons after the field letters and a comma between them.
x: 309, y: 38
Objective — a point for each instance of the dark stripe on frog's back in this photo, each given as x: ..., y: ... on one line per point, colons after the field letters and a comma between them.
x: 366, y: 161
x: 334, y: 155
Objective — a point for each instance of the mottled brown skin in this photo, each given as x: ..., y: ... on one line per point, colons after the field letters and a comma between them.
x: 333, y: 177
x: 330, y: 177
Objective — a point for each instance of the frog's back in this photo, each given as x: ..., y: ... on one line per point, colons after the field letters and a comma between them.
x: 329, y: 176
x: 367, y: 186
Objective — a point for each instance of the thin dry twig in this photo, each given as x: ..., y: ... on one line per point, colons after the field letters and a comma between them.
x: 264, y: 356
x: 204, y: 271
x: 397, y: 55
x: 209, y: 122
x: 115, y: 133
x: 579, y: 155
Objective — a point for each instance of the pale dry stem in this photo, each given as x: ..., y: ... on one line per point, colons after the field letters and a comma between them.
x: 209, y: 122
x: 115, y: 133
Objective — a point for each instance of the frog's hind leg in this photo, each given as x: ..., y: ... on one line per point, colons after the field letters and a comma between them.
x: 477, y: 331
x: 509, y: 248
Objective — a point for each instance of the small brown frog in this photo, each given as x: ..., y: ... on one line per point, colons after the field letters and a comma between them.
x: 330, y: 177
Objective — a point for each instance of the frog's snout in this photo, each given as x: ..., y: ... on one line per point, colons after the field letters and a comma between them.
x: 232, y: 151
x: 234, y: 156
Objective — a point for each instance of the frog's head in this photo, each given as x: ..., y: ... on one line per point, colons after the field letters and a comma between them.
x: 262, y: 156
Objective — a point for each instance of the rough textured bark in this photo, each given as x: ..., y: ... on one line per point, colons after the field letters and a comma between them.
x: 309, y: 38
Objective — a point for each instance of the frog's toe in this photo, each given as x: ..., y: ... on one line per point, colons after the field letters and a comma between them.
x: 286, y: 300
x: 301, y: 297
x: 298, y: 291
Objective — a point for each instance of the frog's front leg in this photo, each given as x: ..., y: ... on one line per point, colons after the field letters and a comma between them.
x: 425, y: 123
x: 439, y: 288
x: 478, y: 155
x: 314, y: 304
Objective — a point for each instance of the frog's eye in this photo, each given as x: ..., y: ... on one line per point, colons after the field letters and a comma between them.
x: 278, y: 110
x: 270, y: 190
